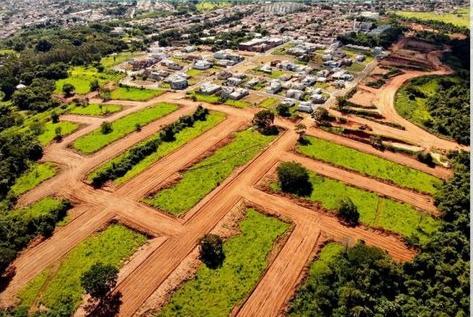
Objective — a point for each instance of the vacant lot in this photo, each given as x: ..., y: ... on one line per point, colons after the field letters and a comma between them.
x: 213, y: 99
x: 269, y: 103
x: 369, y: 165
x: 94, y: 109
x: 81, y: 77
x: 460, y: 18
x: 96, y: 140
x: 164, y: 148
x: 300, y: 306
x: 58, y: 287
x: 216, y: 292
x: 374, y: 211
x: 202, y: 178
x: 135, y: 94
x: 49, y: 130
x: 37, y: 173
x: 113, y: 60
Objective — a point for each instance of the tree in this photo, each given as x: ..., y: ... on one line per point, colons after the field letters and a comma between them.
x: 348, y: 211
x: 300, y: 130
x: 68, y: 89
x: 294, y: 178
x: 58, y: 134
x: 43, y: 45
x: 106, y: 127
x: 263, y: 120
x: 94, y: 85
x: 211, y: 250
x: 54, y: 117
x: 99, y: 280
x: 426, y: 158
x: 320, y: 116
x: 283, y: 110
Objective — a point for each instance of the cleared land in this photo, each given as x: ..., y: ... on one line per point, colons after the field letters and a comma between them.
x: 58, y: 287
x: 135, y: 94
x: 375, y: 211
x: 369, y: 165
x: 96, y: 140
x: 216, y: 292
x: 164, y: 148
x: 95, y: 109
x: 37, y: 173
x: 460, y: 18
x: 213, y: 99
x: 203, y: 177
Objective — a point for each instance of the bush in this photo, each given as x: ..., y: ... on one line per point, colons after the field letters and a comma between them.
x: 283, y: 110
x: 211, y: 251
x: 263, y: 120
x: 426, y: 158
x: 294, y: 179
x: 348, y: 211
x: 106, y: 127
x: 68, y: 89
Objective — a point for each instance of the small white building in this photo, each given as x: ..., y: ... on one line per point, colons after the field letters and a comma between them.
x: 295, y: 94
x: 209, y: 88
x: 202, y: 64
x: 305, y: 107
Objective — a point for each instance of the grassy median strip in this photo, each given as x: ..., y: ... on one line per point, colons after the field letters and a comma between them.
x: 214, y: 292
x: 375, y: 211
x: 368, y: 164
x: 37, y: 173
x: 202, y: 178
x: 95, y: 140
x: 59, y: 288
x: 95, y: 109
x: 164, y: 148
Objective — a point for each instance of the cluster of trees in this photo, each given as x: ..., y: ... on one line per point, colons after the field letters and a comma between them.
x: 36, y: 96
x: 294, y: 178
x: 140, y: 152
x: 450, y: 111
x: 17, y: 230
x: 385, y: 39
x: 46, y: 53
x: 16, y: 151
x: 444, y: 27
x: 364, y: 281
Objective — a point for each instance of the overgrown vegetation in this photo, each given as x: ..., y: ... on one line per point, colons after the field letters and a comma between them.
x: 201, y: 178
x: 59, y: 290
x: 99, y: 138
x: 36, y: 173
x: 145, y: 153
x: 214, y: 292
x: 364, y: 281
x: 368, y: 164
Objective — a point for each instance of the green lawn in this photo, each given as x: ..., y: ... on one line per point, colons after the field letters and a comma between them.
x: 59, y: 284
x: 135, y: 94
x: 210, y: 5
x: 49, y: 132
x: 96, y: 140
x: 237, y: 103
x: 375, y: 211
x: 203, y: 177
x: 44, y: 207
x: 269, y: 103
x: 113, y: 60
x: 369, y: 165
x: 94, y: 109
x: 460, y: 18
x: 213, y: 99
x: 164, y: 149
x: 81, y: 77
x: 326, y: 255
x: 36, y: 173
x: 214, y: 292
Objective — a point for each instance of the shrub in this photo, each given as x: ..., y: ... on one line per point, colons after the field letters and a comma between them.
x: 68, y: 89
x: 348, y: 211
x: 263, y: 120
x: 99, y: 280
x: 426, y: 158
x: 211, y: 250
x: 106, y: 127
x: 294, y: 179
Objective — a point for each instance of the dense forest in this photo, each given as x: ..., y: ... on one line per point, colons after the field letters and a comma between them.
x: 364, y: 281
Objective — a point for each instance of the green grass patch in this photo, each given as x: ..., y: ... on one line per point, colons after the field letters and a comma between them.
x: 237, y: 103
x: 135, y: 94
x: 215, y: 292
x: 81, y: 77
x: 164, y: 149
x: 194, y: 72
x: 209, y: 5
x: 94, y: 109
x: 116, y: 59
x: 375, y: 211
x: 43, y: 207
x: 36, y: 174
x: 49, y: 131
x: 269, y: 103
x: 213, y: 99
x: 203, y: 177
x: 327, y: 254
x: 459, y: 18
x: 369, y: 165
x: 96, y: 140
x: 58, y: 285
